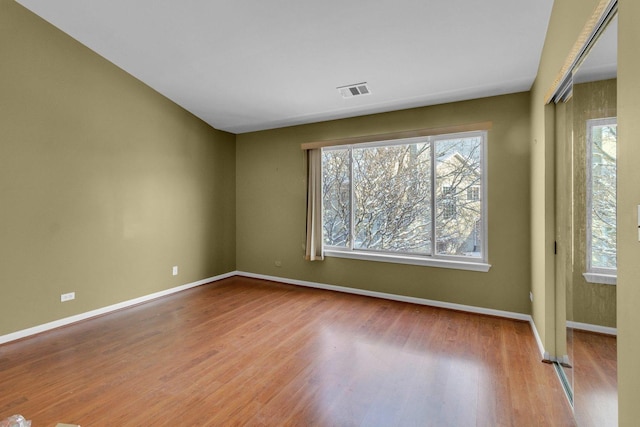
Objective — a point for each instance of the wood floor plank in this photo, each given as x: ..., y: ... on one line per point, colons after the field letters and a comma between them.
x: 250, y: 352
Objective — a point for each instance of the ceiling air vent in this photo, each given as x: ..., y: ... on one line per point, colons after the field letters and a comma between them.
x: 357, y: 89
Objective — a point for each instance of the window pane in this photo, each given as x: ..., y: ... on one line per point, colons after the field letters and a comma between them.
x: 458, y: 196
x: 603, y: 196
x: 420, y: 196
x: 392, y: 199
x: 336, y: 193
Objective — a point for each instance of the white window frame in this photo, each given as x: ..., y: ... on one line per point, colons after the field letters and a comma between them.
x: 479, y: 264
x: 606, y: 276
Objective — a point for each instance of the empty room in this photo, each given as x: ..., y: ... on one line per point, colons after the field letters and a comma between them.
x: 286, y: 213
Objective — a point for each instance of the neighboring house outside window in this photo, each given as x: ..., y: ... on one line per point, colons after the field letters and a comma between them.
x: 473, y: 193
x: 449, y: 200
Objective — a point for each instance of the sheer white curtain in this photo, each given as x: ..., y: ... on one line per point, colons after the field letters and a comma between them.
x: 314, y: 205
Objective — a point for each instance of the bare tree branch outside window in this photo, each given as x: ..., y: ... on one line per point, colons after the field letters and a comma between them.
x: 602, y: 209
x: 382, y: 197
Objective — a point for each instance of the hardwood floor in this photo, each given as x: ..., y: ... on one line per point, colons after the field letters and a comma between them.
x: 595, y: 379
x: 250, y: 352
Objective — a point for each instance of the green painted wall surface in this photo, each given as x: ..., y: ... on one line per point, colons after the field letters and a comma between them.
x: 628, y: 287
x: 104, y: 183
x: 592, y: 303
x: 271, y: 197
x: 568, y: 17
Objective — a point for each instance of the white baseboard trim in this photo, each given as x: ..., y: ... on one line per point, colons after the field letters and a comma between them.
x: 402, y: 298
x: 593, y: 328
x: 440, y: 304
x: 104, y: 310
x: 393, y: 297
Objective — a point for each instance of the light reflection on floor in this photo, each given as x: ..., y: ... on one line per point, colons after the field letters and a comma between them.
x: 598, y: 409
x: 405, y: 384
x: 595, y: 379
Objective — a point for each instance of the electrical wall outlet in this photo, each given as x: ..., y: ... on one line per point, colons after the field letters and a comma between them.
x: 531, y: 296
x: 175, y: 270
x: 67, y: 297
x: 278, y: 263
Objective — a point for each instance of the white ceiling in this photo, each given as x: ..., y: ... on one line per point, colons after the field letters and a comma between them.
x: 248, y: 65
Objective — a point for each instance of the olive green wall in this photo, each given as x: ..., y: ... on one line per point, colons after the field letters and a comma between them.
x: 628, y: 287
x: 593, y: 303
x: 568, y: 17
x: 271, y: 197
x: 104, y: 183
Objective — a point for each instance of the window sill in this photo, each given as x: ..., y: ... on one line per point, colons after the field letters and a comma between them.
x: 428, y: 262
x: 603, y: 279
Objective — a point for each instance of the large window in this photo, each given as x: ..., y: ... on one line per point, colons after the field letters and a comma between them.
x: 601, y: 198
x: 412, y: 199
